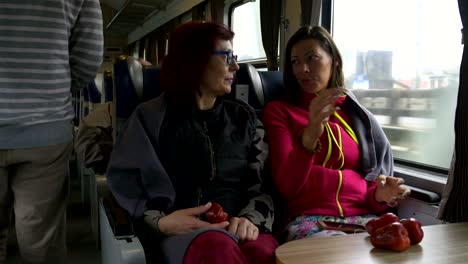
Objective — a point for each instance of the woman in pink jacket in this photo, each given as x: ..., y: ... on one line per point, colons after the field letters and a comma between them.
x: 331, y: 161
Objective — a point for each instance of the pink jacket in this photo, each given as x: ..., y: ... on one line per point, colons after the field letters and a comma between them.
x: 308, y: 187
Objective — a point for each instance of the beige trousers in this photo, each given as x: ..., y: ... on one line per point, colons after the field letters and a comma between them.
x: 34, y: 183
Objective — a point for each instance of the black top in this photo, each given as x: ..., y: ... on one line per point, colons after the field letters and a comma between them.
x: 166, y: 159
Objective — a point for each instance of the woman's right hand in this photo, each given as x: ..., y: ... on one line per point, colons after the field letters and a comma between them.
x: 390, y: 190
x: 320, y: 109
x: 186, y: 220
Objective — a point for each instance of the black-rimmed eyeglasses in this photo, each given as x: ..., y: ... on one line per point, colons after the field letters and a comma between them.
x: 230, y: 57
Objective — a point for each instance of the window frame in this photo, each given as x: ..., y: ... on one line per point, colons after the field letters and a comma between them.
x: 423, y: 176
x: 259, y: 62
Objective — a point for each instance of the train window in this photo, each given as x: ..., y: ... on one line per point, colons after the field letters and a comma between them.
x: 247, y: 42
x: 402, y: 60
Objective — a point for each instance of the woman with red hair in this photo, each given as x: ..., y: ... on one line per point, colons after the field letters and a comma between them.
x: 190, y: 148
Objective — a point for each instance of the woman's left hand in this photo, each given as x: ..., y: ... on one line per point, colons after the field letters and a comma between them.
x: 243, y: 228
x: 390, y: 190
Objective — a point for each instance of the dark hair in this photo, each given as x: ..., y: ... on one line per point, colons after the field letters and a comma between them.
x: 292, y: 90
x: 190, y: 48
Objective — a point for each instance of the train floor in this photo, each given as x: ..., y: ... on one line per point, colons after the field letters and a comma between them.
x: 82, y: 248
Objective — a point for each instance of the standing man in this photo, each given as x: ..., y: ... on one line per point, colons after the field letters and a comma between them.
x: 47, y: 48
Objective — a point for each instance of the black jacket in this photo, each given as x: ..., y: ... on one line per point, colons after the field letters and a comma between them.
x: 163, y: 161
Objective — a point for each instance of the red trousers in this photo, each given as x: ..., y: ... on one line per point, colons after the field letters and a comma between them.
x: 217, y: 247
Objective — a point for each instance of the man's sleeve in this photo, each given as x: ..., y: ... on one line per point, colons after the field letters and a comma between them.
x: 86, y: 44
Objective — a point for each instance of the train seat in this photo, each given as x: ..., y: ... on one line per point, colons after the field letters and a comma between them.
x: 151, y: 88
x: 119, y: 243
x: 248, y: 86
x: 256, y: 87
x: 272, y: 83
x: 91, y: 97
x: 134, y: 84
x: 128, y: 80
x: 108, y: 87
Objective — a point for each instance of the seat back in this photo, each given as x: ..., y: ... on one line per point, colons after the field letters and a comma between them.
x: 134, y: 84
x: 256, y: 87
x: 126, y: 97
x: 108, y: 87
x: 94, y: 95
x: 269, y: 87
x: 272, y: 83
x: 91, y: 96
x: 248, y: 86
x: 151, y: 88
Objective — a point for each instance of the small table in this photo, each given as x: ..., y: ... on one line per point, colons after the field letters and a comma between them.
x: 446, y: 243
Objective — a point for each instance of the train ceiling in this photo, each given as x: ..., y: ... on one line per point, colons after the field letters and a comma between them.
x: 131, y: 13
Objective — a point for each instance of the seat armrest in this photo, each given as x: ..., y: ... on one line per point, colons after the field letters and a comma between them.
x: 119, y: 245
x: 425, y: 196
x: 119, y: 219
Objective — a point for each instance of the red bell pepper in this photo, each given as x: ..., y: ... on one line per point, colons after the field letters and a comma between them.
x: 393, y: 236
x: 414, y: 229
x: 216, y: 214
x: 381, y: 221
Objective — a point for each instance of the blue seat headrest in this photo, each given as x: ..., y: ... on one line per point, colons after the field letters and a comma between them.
x: 93, y: 94
x: 133, y: 85
x: 107, y: 86
x: 151, y: 87
x: 126, y: 98
x: 135, y: 70
x: 272, y: 83
x: 248, y: 86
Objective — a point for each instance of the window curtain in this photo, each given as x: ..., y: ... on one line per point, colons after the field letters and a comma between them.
x: 270, y: 18
x: 171, y: 26
x: 141, y: 48
x: 162, y: 40
x: 454, y: 204
x: 310, y: 12
x: 217, y: 11
x: 198, y: 12
x: 447, y: 190
x: 135, y: 51
x: 129, y: 49
x: 151, y: 52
